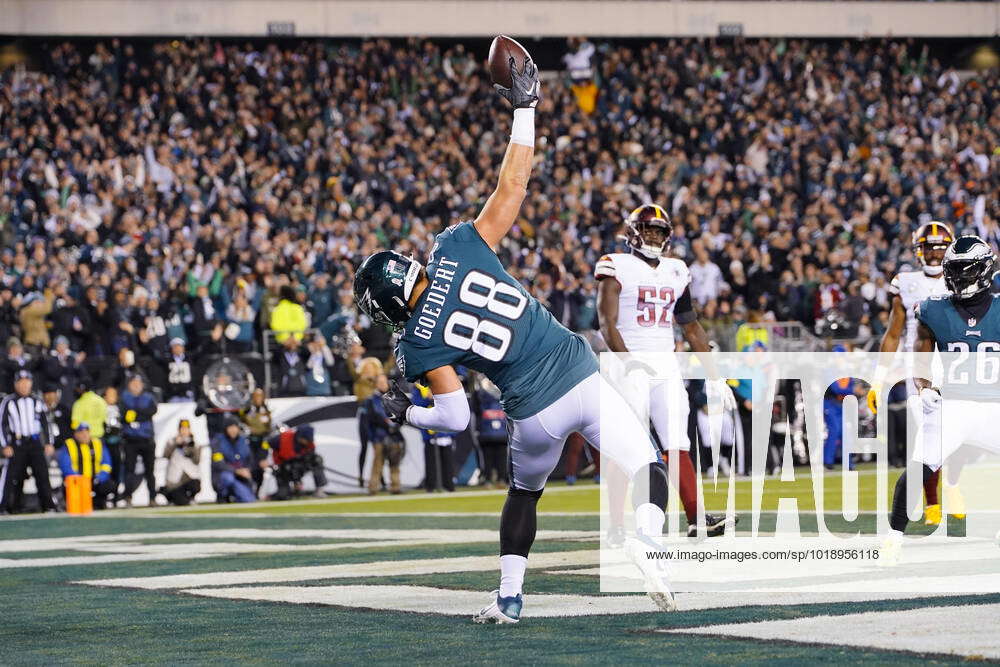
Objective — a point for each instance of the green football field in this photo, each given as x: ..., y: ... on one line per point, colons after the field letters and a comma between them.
x: 387, y: 580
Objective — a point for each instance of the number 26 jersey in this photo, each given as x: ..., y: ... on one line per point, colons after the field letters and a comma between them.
x: 647, y: 300
x: 475, y: 314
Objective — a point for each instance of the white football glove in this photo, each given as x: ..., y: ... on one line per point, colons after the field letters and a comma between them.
x: 930, y: 398
x: 720, y: 390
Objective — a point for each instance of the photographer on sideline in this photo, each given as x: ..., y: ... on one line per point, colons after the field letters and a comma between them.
x: 231, y: 461
x: 294, y: 456
x: 183, y: 470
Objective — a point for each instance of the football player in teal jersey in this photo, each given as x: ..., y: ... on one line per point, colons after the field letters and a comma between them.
x: 965, y: 324
x: 463, y: 308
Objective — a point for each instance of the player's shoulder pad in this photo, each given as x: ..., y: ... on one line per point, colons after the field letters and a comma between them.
x: 930, y: 306
x: 605, y: 267
x: 896, y: 284
x: 677, y: 264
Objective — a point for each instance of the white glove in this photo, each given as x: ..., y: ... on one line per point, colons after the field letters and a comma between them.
x: 720, y: 389
x: 930, y: 398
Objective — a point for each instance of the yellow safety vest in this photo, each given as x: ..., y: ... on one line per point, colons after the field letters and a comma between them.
x: 92, y: 455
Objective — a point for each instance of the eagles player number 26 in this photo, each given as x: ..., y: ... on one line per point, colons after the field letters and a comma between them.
x: 987, y: 366
x: 486, y: 337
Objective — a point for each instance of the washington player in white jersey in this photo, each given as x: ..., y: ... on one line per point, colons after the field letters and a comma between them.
x: 641, y: 294
x: 909, y: 288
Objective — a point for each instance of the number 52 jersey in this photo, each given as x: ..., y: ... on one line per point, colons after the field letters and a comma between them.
x: 474, y: 314
x: 647, y: 300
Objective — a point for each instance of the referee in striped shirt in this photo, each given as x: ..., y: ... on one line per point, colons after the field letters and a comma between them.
x: 25, y: 441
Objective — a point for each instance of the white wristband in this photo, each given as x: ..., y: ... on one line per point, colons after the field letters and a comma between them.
x: 522, y: 130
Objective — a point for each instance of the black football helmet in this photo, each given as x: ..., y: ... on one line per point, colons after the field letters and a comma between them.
x: 642, y: 219
x: 929, y: 243
x: 382, y: 287
x: 969, y: 265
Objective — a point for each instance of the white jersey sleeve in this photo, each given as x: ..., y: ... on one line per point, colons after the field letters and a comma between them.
x: 605, y: 267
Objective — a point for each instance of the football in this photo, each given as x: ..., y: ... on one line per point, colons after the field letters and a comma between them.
x: 502, y: 50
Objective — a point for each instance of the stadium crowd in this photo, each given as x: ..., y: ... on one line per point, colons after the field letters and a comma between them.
x: 184, y: 196
x: 170, y: 198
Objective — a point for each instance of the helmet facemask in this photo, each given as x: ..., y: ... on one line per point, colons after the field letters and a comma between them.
x: 969, y: 265
x: 649, y: 231
x: 930, y: 242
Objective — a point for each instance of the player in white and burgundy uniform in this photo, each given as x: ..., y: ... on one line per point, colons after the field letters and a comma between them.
x: 641, y: 295
x: 908, y: 289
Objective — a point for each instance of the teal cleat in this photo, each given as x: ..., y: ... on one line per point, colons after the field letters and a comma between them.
x: 501, y: 610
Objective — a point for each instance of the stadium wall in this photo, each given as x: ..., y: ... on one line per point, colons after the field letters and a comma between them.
x: 442, y: 18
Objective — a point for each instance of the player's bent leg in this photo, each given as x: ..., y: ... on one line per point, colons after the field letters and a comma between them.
x: 535, y: 446
x: 518, y: 525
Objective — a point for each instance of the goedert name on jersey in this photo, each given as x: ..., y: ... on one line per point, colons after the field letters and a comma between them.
x: 647, y: 299
x: 912, y: 288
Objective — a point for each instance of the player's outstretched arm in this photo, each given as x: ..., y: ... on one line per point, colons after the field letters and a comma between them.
x: 501, y: 209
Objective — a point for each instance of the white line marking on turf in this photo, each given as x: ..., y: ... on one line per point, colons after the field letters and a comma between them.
x: 345, y: 571
x: 427, y: 600
x: 968, y: 630
x: 128, y: 547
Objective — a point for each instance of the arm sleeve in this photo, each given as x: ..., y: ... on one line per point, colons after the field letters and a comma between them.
x: 450, y: 413
x: 684, y: 310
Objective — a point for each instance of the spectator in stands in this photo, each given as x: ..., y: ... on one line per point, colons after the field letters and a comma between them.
x: 35, y: 307
x: 16, y: 360
x: 293, y: 457
x: 206, y: 318
x: 69, y: 320
x: 58, y: 414
x: 91, y: 409
x: 117, y: 371
x: 231, y: 460
x: 84, y: 454
x: 240, y: 315
x: 292, y: 368
x: 288, y: 319
x: 386, y: 440
x: 180, y: 374
x: 319, y: 365
x: 26, y: 442
x: 61, y: 368
x: 183, y: 455
x: 139, y: 407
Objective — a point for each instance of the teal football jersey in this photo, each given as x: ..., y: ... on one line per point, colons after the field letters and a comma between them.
x: 474, y: 314
x: 972, y: 370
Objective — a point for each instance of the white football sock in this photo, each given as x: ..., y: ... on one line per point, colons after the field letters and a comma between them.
x: 512, y: 569
x: 649, y: 520
x: 895, y: 535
